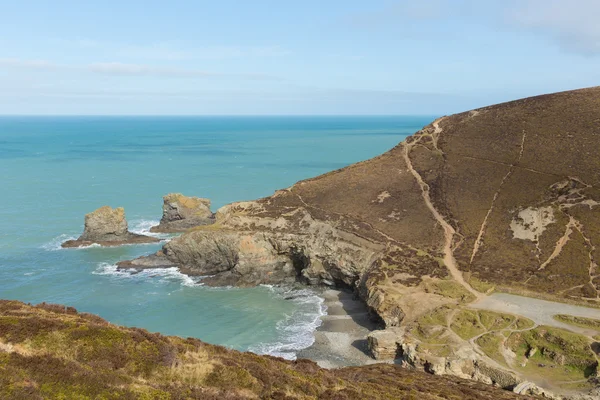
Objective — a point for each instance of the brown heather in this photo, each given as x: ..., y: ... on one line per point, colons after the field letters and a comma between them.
x: 53, y: 352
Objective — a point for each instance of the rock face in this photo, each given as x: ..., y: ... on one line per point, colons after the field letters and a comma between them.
x: 181, y: 213
x: 505, y: 196
x: 107, y: 227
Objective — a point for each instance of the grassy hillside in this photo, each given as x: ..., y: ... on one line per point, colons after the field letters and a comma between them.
x: 54, y: 352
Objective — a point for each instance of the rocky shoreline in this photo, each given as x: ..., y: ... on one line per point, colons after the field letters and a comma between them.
x: 495, y: 197
x: 340, y: 339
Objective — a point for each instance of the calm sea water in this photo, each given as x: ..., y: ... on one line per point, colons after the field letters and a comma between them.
x: 53, y: 170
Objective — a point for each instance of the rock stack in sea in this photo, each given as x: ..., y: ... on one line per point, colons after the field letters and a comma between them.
x: 107, y: 227
x: 181, y: 213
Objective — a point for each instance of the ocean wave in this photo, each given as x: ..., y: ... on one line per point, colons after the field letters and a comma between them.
x: 55, y: 243
x: 159, y: 275
x: 296, y: 330
x: 142, y: 227
x: 139, y: 226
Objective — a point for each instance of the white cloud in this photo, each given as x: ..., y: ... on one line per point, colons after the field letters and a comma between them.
x: 574, y: 24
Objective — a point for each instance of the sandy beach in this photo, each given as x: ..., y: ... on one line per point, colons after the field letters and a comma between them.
x: 341, y: 340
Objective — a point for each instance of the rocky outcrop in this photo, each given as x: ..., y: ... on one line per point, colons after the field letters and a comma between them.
x: 181, y: 213
x: 107, y: 227
x: 505, y: 196
x: 454, y: 202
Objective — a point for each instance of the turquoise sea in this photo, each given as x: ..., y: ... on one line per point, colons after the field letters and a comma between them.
x: 53, y: 170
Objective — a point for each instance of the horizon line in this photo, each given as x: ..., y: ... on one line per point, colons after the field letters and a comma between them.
x: 216, y: 115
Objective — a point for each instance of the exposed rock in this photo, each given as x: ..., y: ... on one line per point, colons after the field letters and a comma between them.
x: 463, y: 361
x: 383, y: 344
x: 156, y: 260
x: 505, y: 196
x: 107, y: 227
x: 445, y: 202
x: 181, y: 213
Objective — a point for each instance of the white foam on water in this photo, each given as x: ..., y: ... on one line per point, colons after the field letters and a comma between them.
x: 160, y: 275
x: 296, y: 331
x: 55, y: 243
x: 139, y: 226
x: 142, y: 227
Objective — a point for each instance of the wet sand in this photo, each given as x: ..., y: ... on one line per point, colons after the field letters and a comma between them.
x: 341, y: 340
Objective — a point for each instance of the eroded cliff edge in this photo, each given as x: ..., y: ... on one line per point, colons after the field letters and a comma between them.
x: 506, y: 195
x: 502, y: 197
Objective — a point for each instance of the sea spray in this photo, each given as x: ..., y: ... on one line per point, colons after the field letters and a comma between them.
x: 296, y: 330
x: 55, y: 243
x: 159, y: 275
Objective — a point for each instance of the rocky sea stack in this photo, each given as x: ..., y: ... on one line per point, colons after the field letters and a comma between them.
x: 107, y: 227
x: 181, y: 213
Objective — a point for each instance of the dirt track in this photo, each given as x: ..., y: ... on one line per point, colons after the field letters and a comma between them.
x: 539, y: 311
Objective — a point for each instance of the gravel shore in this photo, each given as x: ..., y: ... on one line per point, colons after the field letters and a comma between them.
x: 341, y: 340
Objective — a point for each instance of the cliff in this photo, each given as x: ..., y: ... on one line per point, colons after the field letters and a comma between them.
x: 504, y: 196
x: 181, y: 213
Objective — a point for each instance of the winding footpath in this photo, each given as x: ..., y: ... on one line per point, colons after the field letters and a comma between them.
x: 449, y: 232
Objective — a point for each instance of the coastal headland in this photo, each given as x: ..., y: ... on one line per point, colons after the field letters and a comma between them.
x: 429, y: 236
x: 503, y: 198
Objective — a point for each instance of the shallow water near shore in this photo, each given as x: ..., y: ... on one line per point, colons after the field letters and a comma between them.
x: 53, y: 170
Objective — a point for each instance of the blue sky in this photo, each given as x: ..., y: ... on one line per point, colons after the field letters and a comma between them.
x: 283, y: 57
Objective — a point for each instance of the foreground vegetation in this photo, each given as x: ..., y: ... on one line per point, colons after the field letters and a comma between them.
x: 54, y: 352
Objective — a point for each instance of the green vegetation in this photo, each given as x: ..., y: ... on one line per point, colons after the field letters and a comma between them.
x: 493, y: 321
x: 481, y: 286
x: 579, y: 321
x: 466, y: 324
x: 451, y: 289
x: 554, y: 353
x: 53, y: 352
x: 523, y: 323
x: 491, y: 344
x: 439, y: 316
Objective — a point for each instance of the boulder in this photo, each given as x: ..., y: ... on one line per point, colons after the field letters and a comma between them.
x: 383, y: 344
x: 181, y: 213
x: 107, y: 227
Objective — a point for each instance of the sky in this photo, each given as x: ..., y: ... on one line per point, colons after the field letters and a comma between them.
x: 274, y: 57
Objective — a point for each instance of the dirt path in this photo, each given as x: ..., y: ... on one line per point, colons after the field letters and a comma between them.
x: 541, y: 312
x: 449, y: 231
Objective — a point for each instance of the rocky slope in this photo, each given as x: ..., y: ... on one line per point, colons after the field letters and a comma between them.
x: 181, y: 213
x: 506, y: 196
x: 52, y: 352
x: 107, y: 227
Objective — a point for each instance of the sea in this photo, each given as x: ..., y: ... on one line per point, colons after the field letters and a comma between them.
x: 53, y: 170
